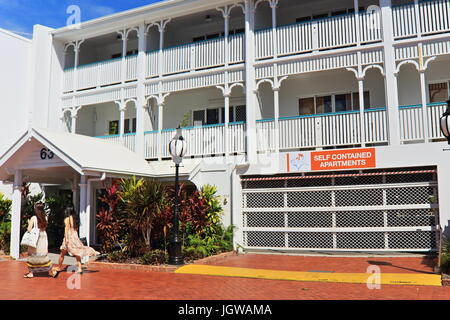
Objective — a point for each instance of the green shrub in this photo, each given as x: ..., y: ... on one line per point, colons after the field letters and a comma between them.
x: 155, y: 257
x: 5, y: 236
x: 117, y: 256
x: 5, y: 208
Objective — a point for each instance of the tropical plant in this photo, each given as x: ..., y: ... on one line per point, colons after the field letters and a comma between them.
x: 5, y: 236
x: 214, y: 210
x: 155, y: 257
x: 5, y: 208
x: 143, y: 200
x: 110, y: 225
x: 186, y: 120
x: 201, y: 246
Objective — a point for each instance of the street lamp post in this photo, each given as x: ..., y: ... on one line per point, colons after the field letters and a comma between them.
x: 445, y: 122
x: 177, y: 149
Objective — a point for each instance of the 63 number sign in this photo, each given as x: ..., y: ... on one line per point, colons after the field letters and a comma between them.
x: 47, y: 154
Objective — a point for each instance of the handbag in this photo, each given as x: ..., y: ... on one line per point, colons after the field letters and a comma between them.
x: 31, y: 238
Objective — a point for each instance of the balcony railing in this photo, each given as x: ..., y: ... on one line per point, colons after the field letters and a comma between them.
x: 296, y: 133
x: 343, y: 129
x: 185, y: 58
x: 201, y: 141
x: 321, y: 34
x: 434, y: 17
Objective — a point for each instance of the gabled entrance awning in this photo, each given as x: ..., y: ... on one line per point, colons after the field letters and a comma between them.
x: 47, y: 155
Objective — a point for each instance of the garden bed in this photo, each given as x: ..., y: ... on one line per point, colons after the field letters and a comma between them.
x: 134, y: 265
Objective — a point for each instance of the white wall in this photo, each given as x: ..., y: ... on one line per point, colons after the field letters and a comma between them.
x: 14, y: 67
x: 321, y: 83
x: 409, y: 81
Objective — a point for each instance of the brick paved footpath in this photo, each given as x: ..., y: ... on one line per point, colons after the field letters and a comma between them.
x: 104, y: 284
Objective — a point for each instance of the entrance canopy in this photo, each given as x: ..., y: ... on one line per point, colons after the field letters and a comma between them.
x: 50, y: 157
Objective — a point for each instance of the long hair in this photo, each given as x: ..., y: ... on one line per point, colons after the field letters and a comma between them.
x: 70, y: 212
x: 39, y: 210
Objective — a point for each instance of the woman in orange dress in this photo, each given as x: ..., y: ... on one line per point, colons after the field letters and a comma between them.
x: 72, y: 243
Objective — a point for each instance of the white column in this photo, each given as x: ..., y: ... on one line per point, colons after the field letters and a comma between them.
x: 226, y: 128
x: 423, y: 91
x: 122, y: 111
x: 141, y: 101
x: 84, y: 223
x: 73, y: 128
x: 160, y: 128
x: 124, y: 55
x: 75, y: 193
x: 250, y: 81
x: 390, y: 70
x: 75, y: 66
x: 362, y: 111
x: 16, y: 216
x: 273, y: 6
x: 276, y: 112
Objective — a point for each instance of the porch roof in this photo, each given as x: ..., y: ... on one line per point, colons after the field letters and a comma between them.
x: 85, y: 155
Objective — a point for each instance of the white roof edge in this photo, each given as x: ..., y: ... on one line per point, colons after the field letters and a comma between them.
x: 121, y: 14
x: 14, y: 147
x: 15, y: 35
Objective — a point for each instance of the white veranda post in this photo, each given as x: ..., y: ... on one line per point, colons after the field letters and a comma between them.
x: 15, y: 215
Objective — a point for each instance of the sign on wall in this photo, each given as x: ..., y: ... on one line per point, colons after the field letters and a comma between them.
x: 331, y: 160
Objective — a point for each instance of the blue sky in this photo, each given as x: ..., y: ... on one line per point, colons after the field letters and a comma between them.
x: 21, y: 15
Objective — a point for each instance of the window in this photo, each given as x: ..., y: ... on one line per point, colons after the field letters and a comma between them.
x: 217, y: 35
x: 332, y: 103
x: 130, y: 126
x: 438, y: 92
x: 356, y: 100
x: 114, y: 127
x: 328, y: 14
x: 129, y: 53
x: 217, y: 115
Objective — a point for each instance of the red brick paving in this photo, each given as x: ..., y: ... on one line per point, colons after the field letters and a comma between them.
x: 108, y: 284
x: 330, y: 264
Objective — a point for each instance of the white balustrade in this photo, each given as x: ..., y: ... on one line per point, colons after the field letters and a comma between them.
x: 236, y: 133
x: 128, y: 140
x: 434, y: 16
x: 236, y: 48
x: 152, y: 64
x: 411, y: 123
x: 131, y: 62
x: 265, y: 135
x: 435, y: 112
x: 341, y: 129
x: 298, y: 132
x: 151, y: 145
x: 376, y: 126
x: 337, y: 31
x: 370, y: 26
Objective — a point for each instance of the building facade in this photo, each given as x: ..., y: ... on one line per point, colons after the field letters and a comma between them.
x: 317, y: 120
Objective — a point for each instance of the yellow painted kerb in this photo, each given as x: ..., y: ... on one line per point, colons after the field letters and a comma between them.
x: 415, y: 279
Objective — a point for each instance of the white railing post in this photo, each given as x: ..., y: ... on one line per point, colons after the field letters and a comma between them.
x: 318, y: 126
x: 315, y: 35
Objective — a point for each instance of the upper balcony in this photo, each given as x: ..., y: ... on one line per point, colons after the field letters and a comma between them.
x: 311, y: 33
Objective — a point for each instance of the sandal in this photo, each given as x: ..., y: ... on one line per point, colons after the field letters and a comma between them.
x: 28, y: 276
x: 55, y: 273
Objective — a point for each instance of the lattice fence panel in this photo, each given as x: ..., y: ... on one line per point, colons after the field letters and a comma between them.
x: 412, y: 240
x: 360, y: 240
x: 310, y: 240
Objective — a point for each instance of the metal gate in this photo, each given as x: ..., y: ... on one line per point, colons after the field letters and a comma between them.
x: 363, y: 211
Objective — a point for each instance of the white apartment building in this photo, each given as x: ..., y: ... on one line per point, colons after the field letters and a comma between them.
x: 318, y: 120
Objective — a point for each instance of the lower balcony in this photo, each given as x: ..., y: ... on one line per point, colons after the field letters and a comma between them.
x: 326, y: 131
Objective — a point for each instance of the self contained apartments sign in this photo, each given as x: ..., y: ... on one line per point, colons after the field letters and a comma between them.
x: 331, y: 160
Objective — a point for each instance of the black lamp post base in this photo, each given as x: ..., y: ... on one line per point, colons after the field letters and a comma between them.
x: 175, y: 252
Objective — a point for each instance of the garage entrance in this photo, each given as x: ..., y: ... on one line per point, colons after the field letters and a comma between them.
x: 378, y: 210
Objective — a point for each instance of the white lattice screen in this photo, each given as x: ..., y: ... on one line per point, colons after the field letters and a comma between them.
x: 394, y: 211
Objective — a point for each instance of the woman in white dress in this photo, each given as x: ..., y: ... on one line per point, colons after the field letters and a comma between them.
x: 38, y: 261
